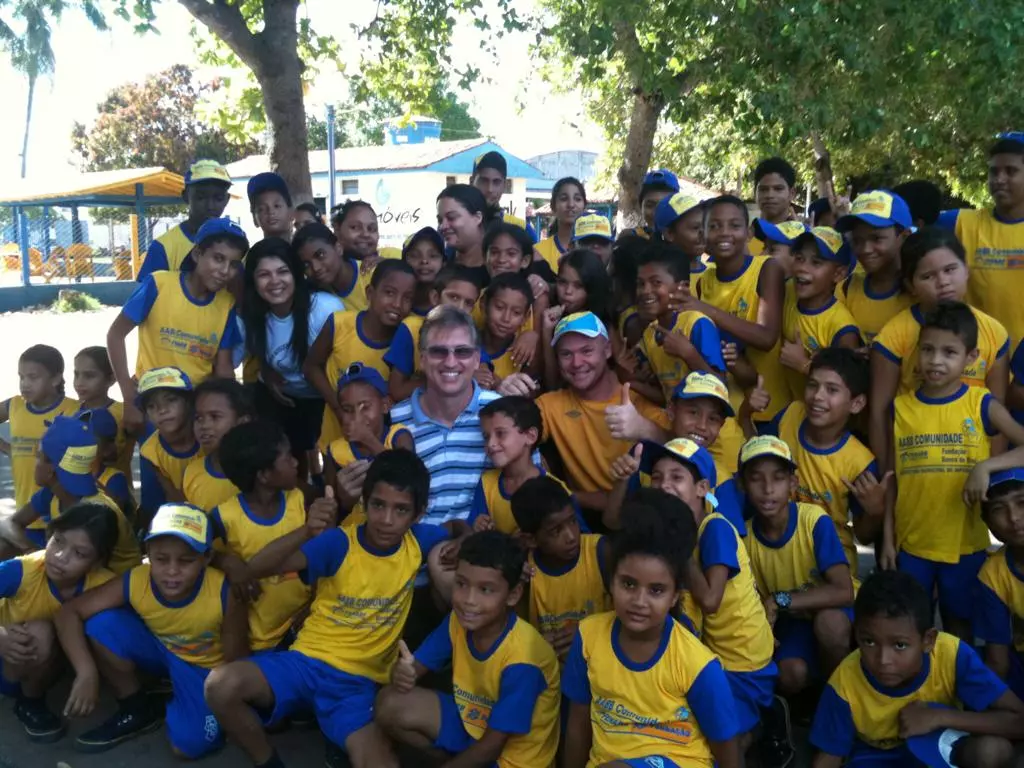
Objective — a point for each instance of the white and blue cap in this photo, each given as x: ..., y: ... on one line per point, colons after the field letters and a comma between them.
x: 785, y: 232
x: 185, y: 522
x: 683, y: 450
x: 584, y: 323
x: 935, y: 748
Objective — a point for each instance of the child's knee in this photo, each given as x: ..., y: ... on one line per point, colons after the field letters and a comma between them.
x: 389, y: 706
x: 224, y: 686
x: 983, y: 752
x: 793, y: 675
x: 832, y: 628
x: 45, y: 639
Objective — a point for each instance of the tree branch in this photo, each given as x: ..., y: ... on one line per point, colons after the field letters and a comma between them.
x: 227, y: 23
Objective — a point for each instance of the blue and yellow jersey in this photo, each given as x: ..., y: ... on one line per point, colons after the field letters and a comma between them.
x: 176, y: 329
x: 755, y: 246
x: 697, y: 271
x: 858, y: 716
x: 799, y: 559
x: 500, y: 363
x: 125, y: 443
x: 691, y: 615
x: 493, y: 500
x: 362, y: 597
x: 168, y: 462
x: 126, y: 554
x: 936, y: 444
x: 191, y: 628
x: 552, y: 250
x: 404, y: 353
x: 670, y: 370
x: 342, y: 453
x: 995, y: 254
x: 738, y: 295
x: 670, y: 705
x: 28, y: 424
x: 818, y: 329
x: 822, y: 471
x: 204, y: 485
x: 238, y: 531
x: 898, y: 343
x: 562, y: 599
x: 354, y: 295
x: 115, y: 484
x: 167, y: 252
x: 870, y: 310
x: 738, y: 632
x: 999, y: 610
x: 350, y: 346
x: 27, y: 594
x: 625, y: 318
x: 512, y: 687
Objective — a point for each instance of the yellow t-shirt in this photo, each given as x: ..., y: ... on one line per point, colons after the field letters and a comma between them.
x: 818, y: 329
x: 493, y: 500
x: 936, y: 445
x: 552, y: 250
x: 562, y: 599
x: 28, y: 424
x: 871, y: 311
x: 126, y: 554
x: 169, y: 463
x: 281, y: 597
x: 355, y: 296
x: 670, y: 370
x: 176, y: 246
x: 995, y: 257
x: 343, y: 453
x: 29, y: 595
x: 1004, y: 577
x: 204, y: 486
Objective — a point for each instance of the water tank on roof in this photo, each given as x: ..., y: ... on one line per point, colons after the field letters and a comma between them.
x: 416, y: 130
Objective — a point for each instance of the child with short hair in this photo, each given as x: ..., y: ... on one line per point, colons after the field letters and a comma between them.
x: 270, y: 204
x: 359, y: 337
x: 774, y: 193
x: 911, y: 695
x: 185, y: 319
x: 813, y: 319
x: 837, y: 471
x: 329, y: 266
x: 93, y: 378
x: 642, y: 689
x: 257, y: 459
x: 41, y: 398
x: 456, y: 286
x: 799, y: 567
x: 166, y: 397
x: 592, y: 232
x: 172, y: 616
x: 504, y: 709
x: 655, y: 187
x: 363, y: 578
x: 998, y: 601
x: 32, y: 589
x: 424, y: 252
x: 779, y: 240
x: 680, y: 220
x: 506, y: 305
x: 939, y: 434
x: 567, y: 583
x: 219, y: 405
x: 878, y: 224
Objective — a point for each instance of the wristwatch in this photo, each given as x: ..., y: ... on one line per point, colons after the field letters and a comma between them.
x: 783, y: 600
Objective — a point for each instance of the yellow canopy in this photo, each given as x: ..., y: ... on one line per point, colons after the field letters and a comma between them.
x: 159, y: 186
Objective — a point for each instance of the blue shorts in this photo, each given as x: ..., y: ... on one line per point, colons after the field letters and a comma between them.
x: 752, y: 691
x: 864, y: 756
x: 343, y: 703
x: 191, y: 726
x: 451, y: 736
x: 797, y: 641
x: 37, y: 536
x: 1015, y: 679
x: 955, y: 581
x: 653, y: 761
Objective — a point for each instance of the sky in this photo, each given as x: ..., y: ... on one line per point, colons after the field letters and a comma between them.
x: 89, y: 63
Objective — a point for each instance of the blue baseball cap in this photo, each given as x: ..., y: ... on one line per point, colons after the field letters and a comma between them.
x: 222, y: 227
x: 935, y: 748
x: 828, y: 242
x: 102, y: 423
x: 266, y: 182
x: 879, y: 208
x: 360, y: 372
x: 1005, y: 476
x: 207, y: 170
x: 786, y: 232
x: 70, y: 446
x: 672, y: 208
x: 659, y: 179
x: 683, y: 450
x: 185, y: 522
x: 1015, y: 136
x: 584, y: 323
x: 427, y: 233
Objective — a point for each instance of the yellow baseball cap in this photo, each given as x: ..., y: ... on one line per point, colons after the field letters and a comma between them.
x: 592, y: 225
x: 185, y: 522
x: 207, y: 170
x: 681, y: 449
x: 828, y: 242
x: 163, y: 378
x: 699, y: 384
x: 673, y: 208
x: 765, y: 445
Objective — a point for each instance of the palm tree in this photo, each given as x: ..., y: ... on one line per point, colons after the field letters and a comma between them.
x: 30, y: 50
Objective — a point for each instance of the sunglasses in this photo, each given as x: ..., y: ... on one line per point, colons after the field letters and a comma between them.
x: 441, y: 353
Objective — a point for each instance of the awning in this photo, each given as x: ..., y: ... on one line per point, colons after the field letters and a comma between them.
x: 129, y: 187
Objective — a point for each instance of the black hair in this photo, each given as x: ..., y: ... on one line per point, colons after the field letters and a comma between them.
x: 923, y: 198
x: 671, y: 257
x: 282, y: 191
x: 955, y: 317
x: 497, y: 550
x: 726, y: 200
x: 893, y: 595
x: 997, y: 492
x: 311, y: 233
x: 522, y: 410
x: 403, y: 470
x: 775, y: 165
x: 340, y: 212
x: 97, y: 520
x: 518, y: 234
x: 312, y: 210
x: 564, y: 182
x: 100, y: 358
x: 1006, y: 147
x: 386, y: 267
x: 817, y: 209
x: 473, y: 200
x: 235, y: 392
x: 185, y: 394
x: 919, y: 244
x: 596, y: 281
x: 255, y: 310
x: 851, y: 367
x: 625, y: 255
x: 238, y: 242
x: 511, y: 281
x: 49, y: 357
x: 455, y: 273
x: 250, y: 448
x: 656, y: 524
x: 537, y: 498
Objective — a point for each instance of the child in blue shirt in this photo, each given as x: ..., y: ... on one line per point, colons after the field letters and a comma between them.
x: 910, y: 694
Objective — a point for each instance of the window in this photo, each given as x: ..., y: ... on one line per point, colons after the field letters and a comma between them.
x: 350, y: 186
x: 450, y: 181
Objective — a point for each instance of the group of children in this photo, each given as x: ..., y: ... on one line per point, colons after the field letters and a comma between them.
x: 819, y: 388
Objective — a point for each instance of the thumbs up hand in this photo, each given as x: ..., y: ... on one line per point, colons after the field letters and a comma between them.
x: 403, y: 674
x: 628, y: 464
x: 793, y: 355
x: 323, y: 513
x: 758, y: 398
x: 624, y: 421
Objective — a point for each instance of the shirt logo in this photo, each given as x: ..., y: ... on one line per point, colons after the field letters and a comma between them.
x: 742, y: 307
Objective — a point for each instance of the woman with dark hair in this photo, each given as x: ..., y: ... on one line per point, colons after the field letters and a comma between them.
x: 568, y: 201
x: 281, y: 317
x: 463, y: 216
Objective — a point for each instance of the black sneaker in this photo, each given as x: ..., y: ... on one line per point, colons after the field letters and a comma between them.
x: 122, y: 726
x: 776, y: 747
x: 40, y: 723
x: 336, y: 756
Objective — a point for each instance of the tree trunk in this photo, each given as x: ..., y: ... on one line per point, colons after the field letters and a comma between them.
x: 643, y: 122
x: 28, y: 123
x: 286, y: 114
x: 823, y: 177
